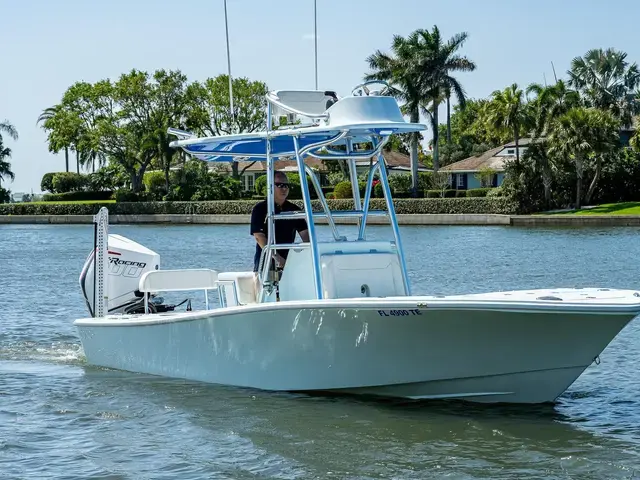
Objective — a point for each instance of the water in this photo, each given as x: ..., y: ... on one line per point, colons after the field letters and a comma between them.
x: 60, y: 418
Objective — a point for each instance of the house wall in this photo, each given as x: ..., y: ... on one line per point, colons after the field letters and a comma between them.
x: 472, y: 181
x: 511, y: 151
x: 468, y: 180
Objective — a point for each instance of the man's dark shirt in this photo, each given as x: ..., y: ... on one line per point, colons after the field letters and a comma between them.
x: 285, y: 229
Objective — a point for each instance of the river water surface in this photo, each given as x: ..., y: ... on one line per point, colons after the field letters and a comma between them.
x: 60, y: 418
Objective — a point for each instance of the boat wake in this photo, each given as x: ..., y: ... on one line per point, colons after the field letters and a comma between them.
x: 59, y: 352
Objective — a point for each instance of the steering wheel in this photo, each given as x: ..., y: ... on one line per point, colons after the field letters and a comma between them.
x: 363, y: 88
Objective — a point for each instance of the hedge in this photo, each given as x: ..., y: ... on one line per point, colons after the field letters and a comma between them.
x: 478, y: 192
x: 77, y: 196
x: 487, y: 205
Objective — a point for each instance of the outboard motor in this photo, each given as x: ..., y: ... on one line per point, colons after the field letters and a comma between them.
x: 127, y: 262
x: 113, y: 288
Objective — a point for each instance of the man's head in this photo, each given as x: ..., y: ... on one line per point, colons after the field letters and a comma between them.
x: 280, y: 187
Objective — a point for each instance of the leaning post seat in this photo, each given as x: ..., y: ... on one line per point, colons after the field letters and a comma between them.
x: 348, y: 270
x: 310, y: 103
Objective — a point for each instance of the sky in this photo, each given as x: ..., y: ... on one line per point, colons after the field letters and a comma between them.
x: 47, y: 46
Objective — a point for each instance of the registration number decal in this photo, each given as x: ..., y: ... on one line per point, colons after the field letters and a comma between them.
x: 398, y: 313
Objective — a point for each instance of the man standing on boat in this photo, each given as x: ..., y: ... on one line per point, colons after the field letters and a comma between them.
x: 285, y: 229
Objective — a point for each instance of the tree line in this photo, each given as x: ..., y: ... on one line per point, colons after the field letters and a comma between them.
x: 5, y: 154
x: 126, y: 121
x: 574, y: 128
x: 579, y: 131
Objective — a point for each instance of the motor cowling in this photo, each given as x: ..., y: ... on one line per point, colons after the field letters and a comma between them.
x: 127, y: 262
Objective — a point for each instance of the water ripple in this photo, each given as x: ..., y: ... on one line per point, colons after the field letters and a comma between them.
x: 60, y: 418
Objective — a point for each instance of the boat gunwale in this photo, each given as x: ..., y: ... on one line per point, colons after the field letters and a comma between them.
x: 388, y: 303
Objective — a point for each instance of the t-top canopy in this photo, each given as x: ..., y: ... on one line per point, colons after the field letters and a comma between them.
x: 357, y: 119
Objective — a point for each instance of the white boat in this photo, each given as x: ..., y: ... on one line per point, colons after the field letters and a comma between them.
x: 341, y: 318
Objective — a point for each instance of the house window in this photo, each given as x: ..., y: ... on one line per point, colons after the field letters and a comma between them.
x: 511, y: 151
x: 250, y: 182
x: 461, y: 180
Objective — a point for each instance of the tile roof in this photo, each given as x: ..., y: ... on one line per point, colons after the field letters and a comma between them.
x: 487, y: 159
x: 523, y: 142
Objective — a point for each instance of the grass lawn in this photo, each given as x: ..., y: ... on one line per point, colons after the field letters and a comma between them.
x: 78, y: 202
x: 623, y: 208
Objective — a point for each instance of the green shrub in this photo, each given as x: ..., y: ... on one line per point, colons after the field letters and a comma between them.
x: 425, y: 179
x: 5, y: 196
x: 219, y: 188
x: 335, y: 178
x: 112, y: 176
x: 63, y: 182
x: 343, y: 190
x: 447, y: 193
x: 499, y: 205
x: 260, y: 186
x: 124, y: 195
x: 194, y: 182
x: 77, y: 196
x: 478, y: 192
x: 495, y: 192
x: 400, y: 184
x: 46, y: 184
x: 155, y: 183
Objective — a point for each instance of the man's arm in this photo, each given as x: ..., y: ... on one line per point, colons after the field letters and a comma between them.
x: 261, y: 238
x: 302, y: 228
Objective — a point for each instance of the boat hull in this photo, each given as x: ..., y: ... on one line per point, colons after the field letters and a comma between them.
x: 410, y: 347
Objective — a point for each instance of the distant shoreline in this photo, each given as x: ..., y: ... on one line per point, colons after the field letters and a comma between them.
x: 403, y: 219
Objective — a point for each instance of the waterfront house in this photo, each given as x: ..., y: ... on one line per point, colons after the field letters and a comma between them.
x: 486, y: 170
x: 466, y: 174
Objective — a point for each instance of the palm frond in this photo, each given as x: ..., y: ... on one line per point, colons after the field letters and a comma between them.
x: 9, y: 129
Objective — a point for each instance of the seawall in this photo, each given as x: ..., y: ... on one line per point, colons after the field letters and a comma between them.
x: 419, y: 219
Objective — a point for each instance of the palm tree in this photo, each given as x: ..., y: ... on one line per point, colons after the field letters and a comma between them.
x: 605, y: 130
x: 437, y: 60
x: 551, y: 102
x: 569, y: 137
x: 47, y: 114
x: 400, y: 71
x: 607, y: 81
x: 9, y: 129
x: 5, y: 166
x: 419, y: 72
x: 507, y: 111
x: 580, y: 134
x: 5, y: 152
x: 635, y: 140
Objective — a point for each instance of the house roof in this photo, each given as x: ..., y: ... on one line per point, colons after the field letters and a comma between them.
x: 522, y: 142
x: 487, y: 160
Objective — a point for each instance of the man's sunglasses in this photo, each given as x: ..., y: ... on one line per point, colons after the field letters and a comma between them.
x: 281, y: 185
